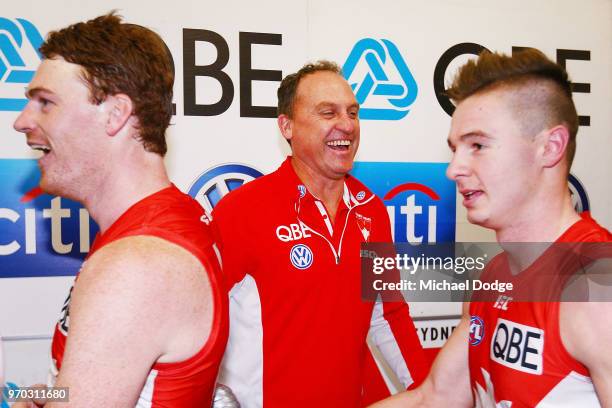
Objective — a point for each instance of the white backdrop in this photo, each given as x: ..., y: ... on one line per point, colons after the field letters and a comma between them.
x: 308, y: 30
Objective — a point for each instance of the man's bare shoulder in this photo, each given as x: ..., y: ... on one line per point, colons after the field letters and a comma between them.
x: 150, y: 280
x: 143, y: 258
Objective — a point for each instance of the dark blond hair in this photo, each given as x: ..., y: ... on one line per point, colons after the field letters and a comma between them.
x: 546, y: 89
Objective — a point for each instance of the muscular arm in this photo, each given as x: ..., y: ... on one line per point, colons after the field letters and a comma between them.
x: 448, y: 381
x: 592, y: 317
x: 137, y: 301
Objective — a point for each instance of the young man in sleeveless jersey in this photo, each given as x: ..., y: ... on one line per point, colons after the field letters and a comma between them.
x: 513, y: 138
x: 145, y: 323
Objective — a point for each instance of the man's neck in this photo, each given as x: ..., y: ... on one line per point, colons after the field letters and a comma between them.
x: 541, y: 227
x: 329, y: 191
x: 125, y: 186
x: 545, y: 223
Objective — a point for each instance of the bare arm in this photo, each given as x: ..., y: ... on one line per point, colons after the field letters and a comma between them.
x: 592, y: 317
x: 448, y: 382
x: 137, y: 301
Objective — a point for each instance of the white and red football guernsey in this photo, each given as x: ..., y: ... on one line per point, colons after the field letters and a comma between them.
x: 298, y: 324
x: 173, y: 216
x: 516, y: 354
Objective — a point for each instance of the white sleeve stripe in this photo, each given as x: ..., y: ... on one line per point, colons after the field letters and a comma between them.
x: 382, y: 337
x: 242, y: 365
x: 216, y: 249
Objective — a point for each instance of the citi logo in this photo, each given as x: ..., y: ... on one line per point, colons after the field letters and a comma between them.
x: 212, y: 185
x: 411, y: 210
x: 301, y: 256
x: 420, y: 200
x: 40, y: 235
x: 381, y: 80
x: 19, y: 57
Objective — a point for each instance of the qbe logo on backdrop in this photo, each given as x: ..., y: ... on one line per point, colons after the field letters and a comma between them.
x: 19, y: 57
x: 40, y: 235
x: 419, y: 198
x: 214, y: 183
x: 382, y: 82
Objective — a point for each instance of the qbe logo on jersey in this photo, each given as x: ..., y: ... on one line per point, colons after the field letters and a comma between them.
x: 382, y: 82
x: 214, y: 183
x: 40, y: 235
x: 518, y: 346
x: 419, y: 198
x: 19, y: 57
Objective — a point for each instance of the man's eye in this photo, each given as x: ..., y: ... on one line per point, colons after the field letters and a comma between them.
x: 477, y: 146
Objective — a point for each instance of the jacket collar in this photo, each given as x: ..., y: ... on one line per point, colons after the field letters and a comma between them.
x: 354, y: 194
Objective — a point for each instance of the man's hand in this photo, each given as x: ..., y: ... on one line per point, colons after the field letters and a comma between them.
x: 448, y: 381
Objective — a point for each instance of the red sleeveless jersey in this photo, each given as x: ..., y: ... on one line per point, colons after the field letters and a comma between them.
x: 516, y: 354
x: 175, y: 217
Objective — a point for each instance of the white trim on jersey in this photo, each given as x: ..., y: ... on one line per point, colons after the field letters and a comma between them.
x: 575, y: 390
x: 218, y: 254
x: 242, y: 366
x: 382, y: 337
x: 346, y: 197
x: 325, y: 217
x: 53, y: 371
x: 145, y: 400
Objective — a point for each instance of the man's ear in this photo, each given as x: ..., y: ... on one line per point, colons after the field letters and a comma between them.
x: 555, y: 141
x: 285, y: 124
x: 120, y: 108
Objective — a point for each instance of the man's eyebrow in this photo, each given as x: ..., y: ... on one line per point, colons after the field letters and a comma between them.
x: 32, y: 92
x: 329, y: 104
x: 474, y: 133
x: 325, y: 104
x: 469, y: 135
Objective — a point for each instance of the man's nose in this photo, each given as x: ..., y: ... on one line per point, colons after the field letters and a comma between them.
x: 25, y: 121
